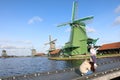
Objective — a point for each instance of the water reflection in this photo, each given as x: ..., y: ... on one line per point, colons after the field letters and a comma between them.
x: 74, y: 63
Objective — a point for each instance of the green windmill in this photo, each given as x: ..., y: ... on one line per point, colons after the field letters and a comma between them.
x: 78, y: 42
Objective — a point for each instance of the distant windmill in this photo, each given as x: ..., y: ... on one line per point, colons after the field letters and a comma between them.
x: 51, y: 43
x: 78, y: 37
x: 4, y: 53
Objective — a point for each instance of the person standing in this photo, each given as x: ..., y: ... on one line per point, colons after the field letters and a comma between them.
x: 93, y: 52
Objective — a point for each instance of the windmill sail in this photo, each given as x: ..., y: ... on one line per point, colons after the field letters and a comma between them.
x: 51, y: 43
x: 78, y: 36
x: 73, y: 11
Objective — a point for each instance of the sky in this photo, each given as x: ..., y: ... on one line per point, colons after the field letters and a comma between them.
x: 27, y: 24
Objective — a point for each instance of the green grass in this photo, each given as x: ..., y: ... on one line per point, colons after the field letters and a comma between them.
x: 81, y: 57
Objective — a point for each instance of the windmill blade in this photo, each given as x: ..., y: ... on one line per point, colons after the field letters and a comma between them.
x: 74, y: 10
x: 51, y: 42
x: 87, y: 18
x: 88, y: 21
x: 54, y: 40
x: 64, y: 24
x: 46, y: 43
x: 50, y: 38
x: 83, y: 19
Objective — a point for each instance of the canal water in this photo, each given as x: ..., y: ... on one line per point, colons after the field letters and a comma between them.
x: 27, y: 65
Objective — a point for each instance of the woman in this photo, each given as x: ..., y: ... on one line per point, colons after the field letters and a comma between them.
x: 93, y: 52
x: 87, y: 67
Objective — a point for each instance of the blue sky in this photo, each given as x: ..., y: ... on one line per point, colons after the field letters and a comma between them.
x: 28, y: 23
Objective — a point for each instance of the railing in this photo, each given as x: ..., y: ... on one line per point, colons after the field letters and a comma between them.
x: 106, y: 75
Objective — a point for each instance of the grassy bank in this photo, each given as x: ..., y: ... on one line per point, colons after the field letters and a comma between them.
x: 81, y: 57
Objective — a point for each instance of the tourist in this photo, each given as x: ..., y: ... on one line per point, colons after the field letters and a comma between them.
x: 87, y: 67
x: 93, y: 52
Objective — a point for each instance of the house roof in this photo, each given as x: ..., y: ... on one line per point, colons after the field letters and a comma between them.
x: 115, y: 45
x: 39, y: 54
x: 55, y: 51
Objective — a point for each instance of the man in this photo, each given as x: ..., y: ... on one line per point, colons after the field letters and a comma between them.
x: 87, y: 67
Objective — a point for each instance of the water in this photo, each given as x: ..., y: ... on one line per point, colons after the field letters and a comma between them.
x: 27, y: 65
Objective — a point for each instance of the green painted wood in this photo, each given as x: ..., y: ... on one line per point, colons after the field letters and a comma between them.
x: 78, y: 42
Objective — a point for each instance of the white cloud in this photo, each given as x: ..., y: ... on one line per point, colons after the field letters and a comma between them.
x: 10, y: 44
x: 117, y: 21
x: 18, y: 41
x: 7, y: 46
x: 24, y: 41
x: 35, y: 19
x: 90, y: 30
x: 5, y: 41
x: 117, y: 10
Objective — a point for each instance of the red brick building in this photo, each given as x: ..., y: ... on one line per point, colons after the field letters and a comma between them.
x: 110, y: 48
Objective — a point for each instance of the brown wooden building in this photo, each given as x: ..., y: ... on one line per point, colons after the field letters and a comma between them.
x: 55, y: 53
x: 110, y: 48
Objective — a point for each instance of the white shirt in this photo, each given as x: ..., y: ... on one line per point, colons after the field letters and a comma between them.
x: 93, y: 51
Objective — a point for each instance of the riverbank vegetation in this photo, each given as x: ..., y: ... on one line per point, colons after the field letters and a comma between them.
x: 81, y: 57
